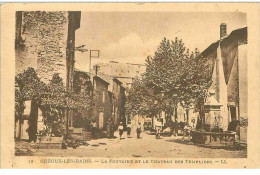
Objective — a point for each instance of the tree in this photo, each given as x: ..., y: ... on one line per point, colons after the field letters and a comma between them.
x: 29, y: 84
x: 173, y: 77
x: 29, y: 87
x: 141, y: 100
x: 51, y: 98
x: 57, y: 99
x: 19, y: 107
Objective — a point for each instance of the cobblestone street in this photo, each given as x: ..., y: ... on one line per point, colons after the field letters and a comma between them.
x: 147, y: 147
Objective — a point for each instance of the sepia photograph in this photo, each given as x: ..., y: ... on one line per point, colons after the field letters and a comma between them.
x: 131, y: 84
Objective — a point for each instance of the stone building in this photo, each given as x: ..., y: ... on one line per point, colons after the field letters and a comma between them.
x: 125, y: 72
x: 119, y: 100
x: 120, y: 76
x: 227, y: 59
x: 102, y: 109
x: 82, y: 84
x: 109, y: 98
x: 45, y: 41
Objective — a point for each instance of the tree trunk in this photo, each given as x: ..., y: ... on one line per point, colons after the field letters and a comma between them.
x: 67, y: 124
x: 187, y: 114
x: 201, y: 121
x: 175, y: 113
x: 33, y: 120
x: 20, y: 127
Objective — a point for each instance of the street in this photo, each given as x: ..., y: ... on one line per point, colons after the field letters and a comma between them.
x: 171, y: 83
x: 146, y: 147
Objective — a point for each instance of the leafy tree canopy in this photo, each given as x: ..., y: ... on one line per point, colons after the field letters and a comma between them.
x: 52, y: 94
x: 173, y: 76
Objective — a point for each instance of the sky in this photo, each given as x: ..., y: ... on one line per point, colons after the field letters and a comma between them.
x: 129, y: 37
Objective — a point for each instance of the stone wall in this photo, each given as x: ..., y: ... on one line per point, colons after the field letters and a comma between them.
x: 103, y: 103
x: 43, y: 45
x: 243, y: 80
x: 233, y: 87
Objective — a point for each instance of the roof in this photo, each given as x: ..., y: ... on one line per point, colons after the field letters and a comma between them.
x: 80, y: 71
x: 229, y: 46
x: 101, y: 79
x: 136, y: 64
x: 118, y: 81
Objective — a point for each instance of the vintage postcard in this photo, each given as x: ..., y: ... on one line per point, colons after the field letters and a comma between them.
x: 134, y: 85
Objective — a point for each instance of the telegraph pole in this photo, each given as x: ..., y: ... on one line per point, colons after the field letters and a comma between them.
x: 70, y: 50
x: 93, y: 54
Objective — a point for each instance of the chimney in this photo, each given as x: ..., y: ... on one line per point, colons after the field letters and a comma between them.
x: 223, y: 30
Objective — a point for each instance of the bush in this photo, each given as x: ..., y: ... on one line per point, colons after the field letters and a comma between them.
x: 243, y: 121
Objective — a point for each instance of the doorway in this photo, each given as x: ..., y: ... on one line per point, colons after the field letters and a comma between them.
x: 101, y: 121
x: 233, y: 113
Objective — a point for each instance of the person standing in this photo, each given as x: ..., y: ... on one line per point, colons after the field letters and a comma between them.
x: 129, y: 127
x: 138, y: 130
x: 158, y: 128
x: 186, y: 131
x: 93, y: 129
x: 121, y: 130
x: 175, y: 128
x: 158, y: 133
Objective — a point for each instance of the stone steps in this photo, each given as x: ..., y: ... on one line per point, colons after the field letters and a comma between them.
x: 50, y: 145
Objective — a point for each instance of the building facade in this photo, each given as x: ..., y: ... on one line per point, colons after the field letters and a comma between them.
x: 124, y: 72
x: 102, y: 97
x: 123, y: 75
x: 119, y: 100
x: 228, y: 60
x: 109, y: 99
x: 82, y: 84
x: 45, y: 41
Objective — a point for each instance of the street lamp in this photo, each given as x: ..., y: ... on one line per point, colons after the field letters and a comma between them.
x: 79, y: 48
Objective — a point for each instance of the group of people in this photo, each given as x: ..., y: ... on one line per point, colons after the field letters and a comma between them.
x: 175, y: 128
x: 110, y: 129
x: 129, y: 129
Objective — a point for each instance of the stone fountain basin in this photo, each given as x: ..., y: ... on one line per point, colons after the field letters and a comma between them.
x: 214, y: 139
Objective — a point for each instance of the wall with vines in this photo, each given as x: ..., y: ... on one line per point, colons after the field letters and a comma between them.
x: 43, y: 46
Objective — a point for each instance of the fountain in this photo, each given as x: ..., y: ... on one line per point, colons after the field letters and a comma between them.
x: 212, y: 133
